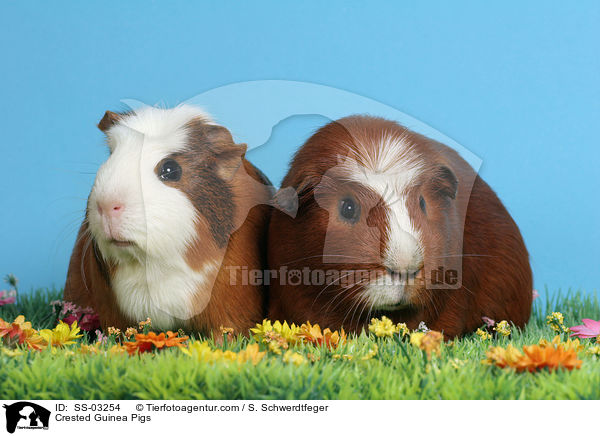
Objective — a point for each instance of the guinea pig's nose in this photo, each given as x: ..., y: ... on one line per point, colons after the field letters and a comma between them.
x: 110, y: 208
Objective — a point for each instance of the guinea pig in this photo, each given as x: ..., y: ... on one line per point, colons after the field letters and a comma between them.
x: 175, y: 205
x: 390, y: 222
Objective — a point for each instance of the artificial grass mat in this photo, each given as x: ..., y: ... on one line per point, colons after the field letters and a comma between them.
x: 397, y: 371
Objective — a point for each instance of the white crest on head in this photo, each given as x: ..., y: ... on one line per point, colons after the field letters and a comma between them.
x: 389, y: 167
x: 152, y: 277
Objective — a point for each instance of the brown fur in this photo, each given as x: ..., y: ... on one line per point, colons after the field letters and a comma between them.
x: 230, y: 195
x: 465, y: 228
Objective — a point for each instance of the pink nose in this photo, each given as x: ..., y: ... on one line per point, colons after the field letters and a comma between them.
x: 110, y: 209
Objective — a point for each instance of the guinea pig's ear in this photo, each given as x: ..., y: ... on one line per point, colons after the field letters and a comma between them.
x: 445, y: 182
x: 230, y: 160
x: 108, y: 120
x: 286, y: 200
x: 229, y: 155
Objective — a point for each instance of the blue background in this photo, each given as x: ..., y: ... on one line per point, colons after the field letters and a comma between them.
x: 516, y: 83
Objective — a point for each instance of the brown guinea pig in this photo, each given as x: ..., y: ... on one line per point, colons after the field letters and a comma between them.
x: 389, y: 222
x: 175, y: 204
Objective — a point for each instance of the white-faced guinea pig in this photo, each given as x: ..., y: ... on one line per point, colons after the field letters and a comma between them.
x: 172, y: 208
x: 390, y: 222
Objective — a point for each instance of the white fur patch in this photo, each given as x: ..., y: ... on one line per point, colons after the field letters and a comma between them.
x: 152, y: 278
x: 390, y: 170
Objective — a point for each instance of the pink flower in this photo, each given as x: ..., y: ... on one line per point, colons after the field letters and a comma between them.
x: 589, y: 329
x: 8, y: 297
x: 488, y: 321
x: 69, y: 312
x: 535, y: 294
x: 100, y: 336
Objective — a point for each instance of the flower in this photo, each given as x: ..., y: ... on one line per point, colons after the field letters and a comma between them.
x: 100, y: 337
x: 533, y: 358
x: 371, y: 353
x: 12, y: 352
x: 502, y: 328
x: 457, y: 363
x: 88, y: 349
x: 383, y: 327
x: 429, y: 342
x: 594, y: 350
x: 113, y: 331
x: 483, y: 335
x: 204, y: 353
x: 402, y: 329
x: 20, y: 332
x: 422, y: 327
x: 226, y: 331
x: 535, y: 294
x: 589, y: 329
x: 61, y: 335
x: 131, y: 331
x: 146, y: 343
x: 293, y: 357
x: 116, y: 350
x: 69, y: 312
x: 143, y: 324
x: 287, y: 332
x: 8, y: 297
x: 250, y: 354
x: 488, y: 321
x: 574, y: 344
x: 275, y: 342
x: 312, y: 334
x: 415, y: 338
x: 556, y: 322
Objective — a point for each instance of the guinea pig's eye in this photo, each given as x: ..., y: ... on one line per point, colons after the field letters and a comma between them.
x: 349, y: 210
x: 170, y: 171
x: 422, y: 204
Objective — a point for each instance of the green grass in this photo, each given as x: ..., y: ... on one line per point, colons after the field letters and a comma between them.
x: 398, y: 371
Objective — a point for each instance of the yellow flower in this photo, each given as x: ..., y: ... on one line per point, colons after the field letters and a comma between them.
x: 227, y: 331
x: 61, y: 335
x: 204, y: 353
x: 117, y: 349
x: 402, y: 329
x: 371, y: 353
x: 483, y: 335
x: 12, y: 352
x: 568, y: 344
x: 503, y: 328
x: 416, y: 338
x: 114, y: 331
x: 293, y: 357
x: 88, y: 349
x: 143, y: 324
x: 556, y: 321
x: 383, y: 328
x: 457, y: 363
x: 594, y: 350
x: 131, y: 331
x: 275, y: 342
x: 251, y: 354
x: 286, y: 331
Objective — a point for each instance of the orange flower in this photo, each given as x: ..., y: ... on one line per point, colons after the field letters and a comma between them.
x: 20, y: 332
x: 534, y: 358
x: 312, y: 333
x: 146, y: 343
x: 537, y: 357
